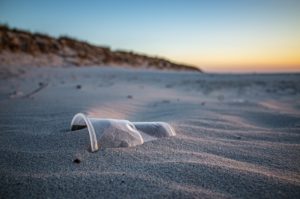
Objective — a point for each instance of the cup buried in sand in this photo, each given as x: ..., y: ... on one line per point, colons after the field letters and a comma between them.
x: 112, y: 133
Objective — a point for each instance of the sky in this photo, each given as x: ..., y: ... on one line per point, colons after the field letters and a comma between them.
x: 215, y: 35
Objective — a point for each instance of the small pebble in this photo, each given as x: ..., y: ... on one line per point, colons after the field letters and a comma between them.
x: 78, y: 86
x: 77, y: 161
x: 166, y: 101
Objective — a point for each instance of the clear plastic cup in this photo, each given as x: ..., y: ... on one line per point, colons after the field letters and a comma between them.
x: 112, y: 133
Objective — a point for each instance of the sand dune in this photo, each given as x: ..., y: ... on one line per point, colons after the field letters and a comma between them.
x: 237, y: 135
x: 23, y: 48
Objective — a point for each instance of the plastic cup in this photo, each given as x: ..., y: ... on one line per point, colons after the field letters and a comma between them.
x: 112, y: 133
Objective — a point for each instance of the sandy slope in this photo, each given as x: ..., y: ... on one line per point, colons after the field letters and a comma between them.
x: 23, y: 48
x: 237, y: 136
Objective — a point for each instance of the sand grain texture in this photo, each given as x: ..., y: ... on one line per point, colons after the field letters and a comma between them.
x: 238, y: 136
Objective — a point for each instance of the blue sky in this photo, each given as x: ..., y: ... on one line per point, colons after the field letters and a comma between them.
x: 216, y: 35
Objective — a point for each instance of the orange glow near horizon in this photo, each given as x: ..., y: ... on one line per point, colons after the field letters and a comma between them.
x: 244, y: 61
x: 217, y: 36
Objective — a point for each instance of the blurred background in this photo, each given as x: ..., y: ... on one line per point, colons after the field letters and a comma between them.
x: 216, y: 35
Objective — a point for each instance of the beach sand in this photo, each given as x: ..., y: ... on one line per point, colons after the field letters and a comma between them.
x: 238, y: 136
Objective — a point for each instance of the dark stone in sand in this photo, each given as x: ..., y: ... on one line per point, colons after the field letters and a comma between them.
x: 78, y: 86
x: 77, y: 161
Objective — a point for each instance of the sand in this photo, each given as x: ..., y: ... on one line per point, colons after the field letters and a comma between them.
x: 237, y: 136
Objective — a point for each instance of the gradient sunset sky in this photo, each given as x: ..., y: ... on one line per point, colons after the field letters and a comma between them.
x: 216, y: 35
